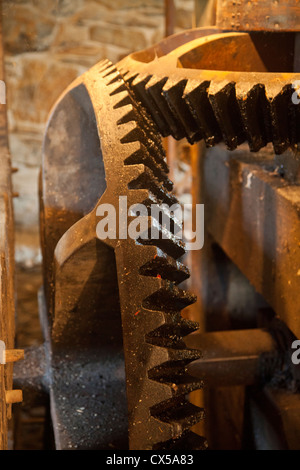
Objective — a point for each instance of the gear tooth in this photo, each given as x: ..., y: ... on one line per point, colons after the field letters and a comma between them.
x: 185, y: 355
x: 116, y: 79
x: 253, y: 107
x: 138, y: 86
x: 223, y: 100
x: 166, y: 320
x: 178, y: 412
x: 173, y: 92
x: 164, y: 239
x: 156, y: 234
x: 189, y: 440
x: 166, y: 333
x: 132, y: 133
x: 184, y: 385
x: 166, y: 268
x: 170, y: 335
x: 149, y: 126
x: 103, y: 65
x: 121, y: 88
x: 137, y: 180
x: 164, y: 336
x: 137, y: 133
x: 161, y: 431
x: 147, y: 180
x: 157, y: 155
x: 157, y: 152
x: 123, y: 100
x: 196, y: 97
x: 157, y: 142
x: 129, y: 115
x: 282, y: 112
x: 138, y: 83
x: 133, y: 148
x: 109, y: 71
x: 142, y: 156
x: 128, y: 76
x: 154, y: 87
x: 170, y: 223
x: 188, y: 326
x: 178, y: 383
x: 170, y: 298
x: 166, y: 242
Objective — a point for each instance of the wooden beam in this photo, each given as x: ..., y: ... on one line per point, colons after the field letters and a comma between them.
x: 14, y: 355
x: 253, y: 214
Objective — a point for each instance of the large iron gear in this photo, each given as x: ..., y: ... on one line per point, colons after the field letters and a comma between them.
x: 148, y: 272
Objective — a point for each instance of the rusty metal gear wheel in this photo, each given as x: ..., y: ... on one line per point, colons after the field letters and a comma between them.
x: 148, y: 272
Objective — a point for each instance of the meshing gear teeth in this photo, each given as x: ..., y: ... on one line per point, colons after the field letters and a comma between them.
x: 196, y: 97
x: 253, y: 105
x: 173, y: 92
x: 160, y: 416
x: 242, y: 108
x: 223, y: 100
x: 138, y: 86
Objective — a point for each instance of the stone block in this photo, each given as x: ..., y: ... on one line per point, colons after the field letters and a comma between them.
x: 34, y: 83
x: 26, y: 29
x: 131, y: 38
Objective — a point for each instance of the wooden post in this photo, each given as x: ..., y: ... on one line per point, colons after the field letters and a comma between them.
x: 13, y: 396
x: 13, y: 355
x: 7, y: 291
x: 170, y: 143
x: 297, y: 53
x: 169, y: 17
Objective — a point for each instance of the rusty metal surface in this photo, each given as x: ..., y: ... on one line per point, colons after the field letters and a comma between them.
x: 258, y: 15
x: 203, y: 89
x: 257, y: 356
x: 66, y: 198
x: 238, y: 357
x: 250, y: 205
x: 115, y: 306
x: 92, y: 277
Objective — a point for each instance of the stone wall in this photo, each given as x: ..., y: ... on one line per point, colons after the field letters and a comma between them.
x: 48, y: 43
